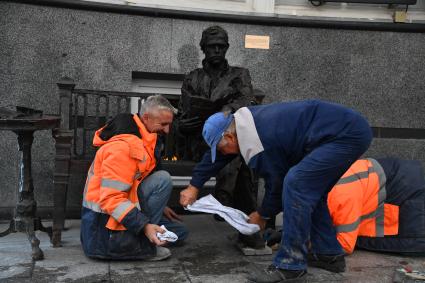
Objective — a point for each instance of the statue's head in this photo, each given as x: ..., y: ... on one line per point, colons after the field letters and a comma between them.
x: 214, y: 44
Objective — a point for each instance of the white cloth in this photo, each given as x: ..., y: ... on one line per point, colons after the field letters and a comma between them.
x: 167, y: 235
x: 234, y: 217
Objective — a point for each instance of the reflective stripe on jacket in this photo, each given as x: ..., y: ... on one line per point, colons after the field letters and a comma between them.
x: 120, y: 164
x: 357, y: 204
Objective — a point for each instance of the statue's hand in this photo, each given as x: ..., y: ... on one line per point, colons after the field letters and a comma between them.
x: 228, y: 92
x: 222, y: 95
x: 190, y: 125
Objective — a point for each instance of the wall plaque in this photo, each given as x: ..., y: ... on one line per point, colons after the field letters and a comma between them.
x: 257, y: 41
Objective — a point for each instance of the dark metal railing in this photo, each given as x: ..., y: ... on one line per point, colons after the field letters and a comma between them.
x: 91, y: 109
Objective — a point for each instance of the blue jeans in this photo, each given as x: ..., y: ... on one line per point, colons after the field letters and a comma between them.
x: 153, y: 193
x: 305, y: 189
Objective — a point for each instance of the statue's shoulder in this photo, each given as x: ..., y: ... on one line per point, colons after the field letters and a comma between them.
x: 193, y: 77
x: 238, y: 68
x: 194, y: 73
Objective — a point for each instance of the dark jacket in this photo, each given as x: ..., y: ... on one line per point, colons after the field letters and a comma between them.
x: 285, y: 134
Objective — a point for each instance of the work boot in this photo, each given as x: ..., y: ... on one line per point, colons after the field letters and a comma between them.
x: 161, y: 254
x: 254, y: 241
x: 272, y: 274
x: 332, y: 263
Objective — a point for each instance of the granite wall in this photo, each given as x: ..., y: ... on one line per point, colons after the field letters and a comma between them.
x: 381, y: 74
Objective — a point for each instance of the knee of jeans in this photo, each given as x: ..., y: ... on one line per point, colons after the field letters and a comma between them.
x: 164, y: 178
x: 290, y: 181
x: 294, y: 195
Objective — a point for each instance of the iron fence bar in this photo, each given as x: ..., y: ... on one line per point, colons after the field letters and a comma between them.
x: 128, y: 102
x: 107, y: 108
x: 75, y: 125
x: 84, y: 125
x: 97, y: 110
x: 121, y: 93
x: 113, y: 93
x: 118, y: 102
x: 139, y: 105
x: 104, y: 113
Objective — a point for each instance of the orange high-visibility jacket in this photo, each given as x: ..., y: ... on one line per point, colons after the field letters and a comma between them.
x: 121, y: 163
x: 357, y: 204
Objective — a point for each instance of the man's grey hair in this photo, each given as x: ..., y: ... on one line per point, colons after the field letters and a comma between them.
x: 156, y: 102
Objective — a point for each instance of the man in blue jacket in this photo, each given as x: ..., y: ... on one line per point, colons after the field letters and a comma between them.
x: 301, y: 149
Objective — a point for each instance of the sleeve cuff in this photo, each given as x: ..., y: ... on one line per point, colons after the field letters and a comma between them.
x: 196, y: 184
x: 263, y: 213
x: 266, y: 213
x: 135, y: 221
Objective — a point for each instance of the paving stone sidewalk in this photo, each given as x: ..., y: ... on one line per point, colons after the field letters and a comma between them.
x: 208, y: 256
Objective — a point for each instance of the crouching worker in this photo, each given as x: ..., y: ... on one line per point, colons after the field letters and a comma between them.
x: 379, y: 205
x: 301, y: 149
x: 125, y: 197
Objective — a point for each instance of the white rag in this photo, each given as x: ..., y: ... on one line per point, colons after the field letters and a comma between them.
x: 167, y: 235
x: 234, y: 217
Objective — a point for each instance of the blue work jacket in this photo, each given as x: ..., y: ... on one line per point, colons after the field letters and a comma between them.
x: 273, y: 138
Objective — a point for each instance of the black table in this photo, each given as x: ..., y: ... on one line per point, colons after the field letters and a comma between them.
x: 25, y: 219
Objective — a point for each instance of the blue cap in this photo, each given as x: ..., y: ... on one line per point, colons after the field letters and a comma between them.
x: 213, y: 130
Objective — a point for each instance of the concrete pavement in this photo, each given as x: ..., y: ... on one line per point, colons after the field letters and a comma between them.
x: 208, y: 256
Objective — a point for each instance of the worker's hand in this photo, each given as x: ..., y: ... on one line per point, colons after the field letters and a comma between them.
x: 188, y: 195
x: 255, y: 218
x: 150, y: 231
x: 171, y: 215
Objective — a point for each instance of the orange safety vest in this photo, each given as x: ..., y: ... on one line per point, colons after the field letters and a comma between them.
x: 357, y: 204
x: 119, y: 166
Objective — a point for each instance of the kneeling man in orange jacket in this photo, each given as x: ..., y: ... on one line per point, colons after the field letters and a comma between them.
x: 378, y: 205
x: 125, y: 196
